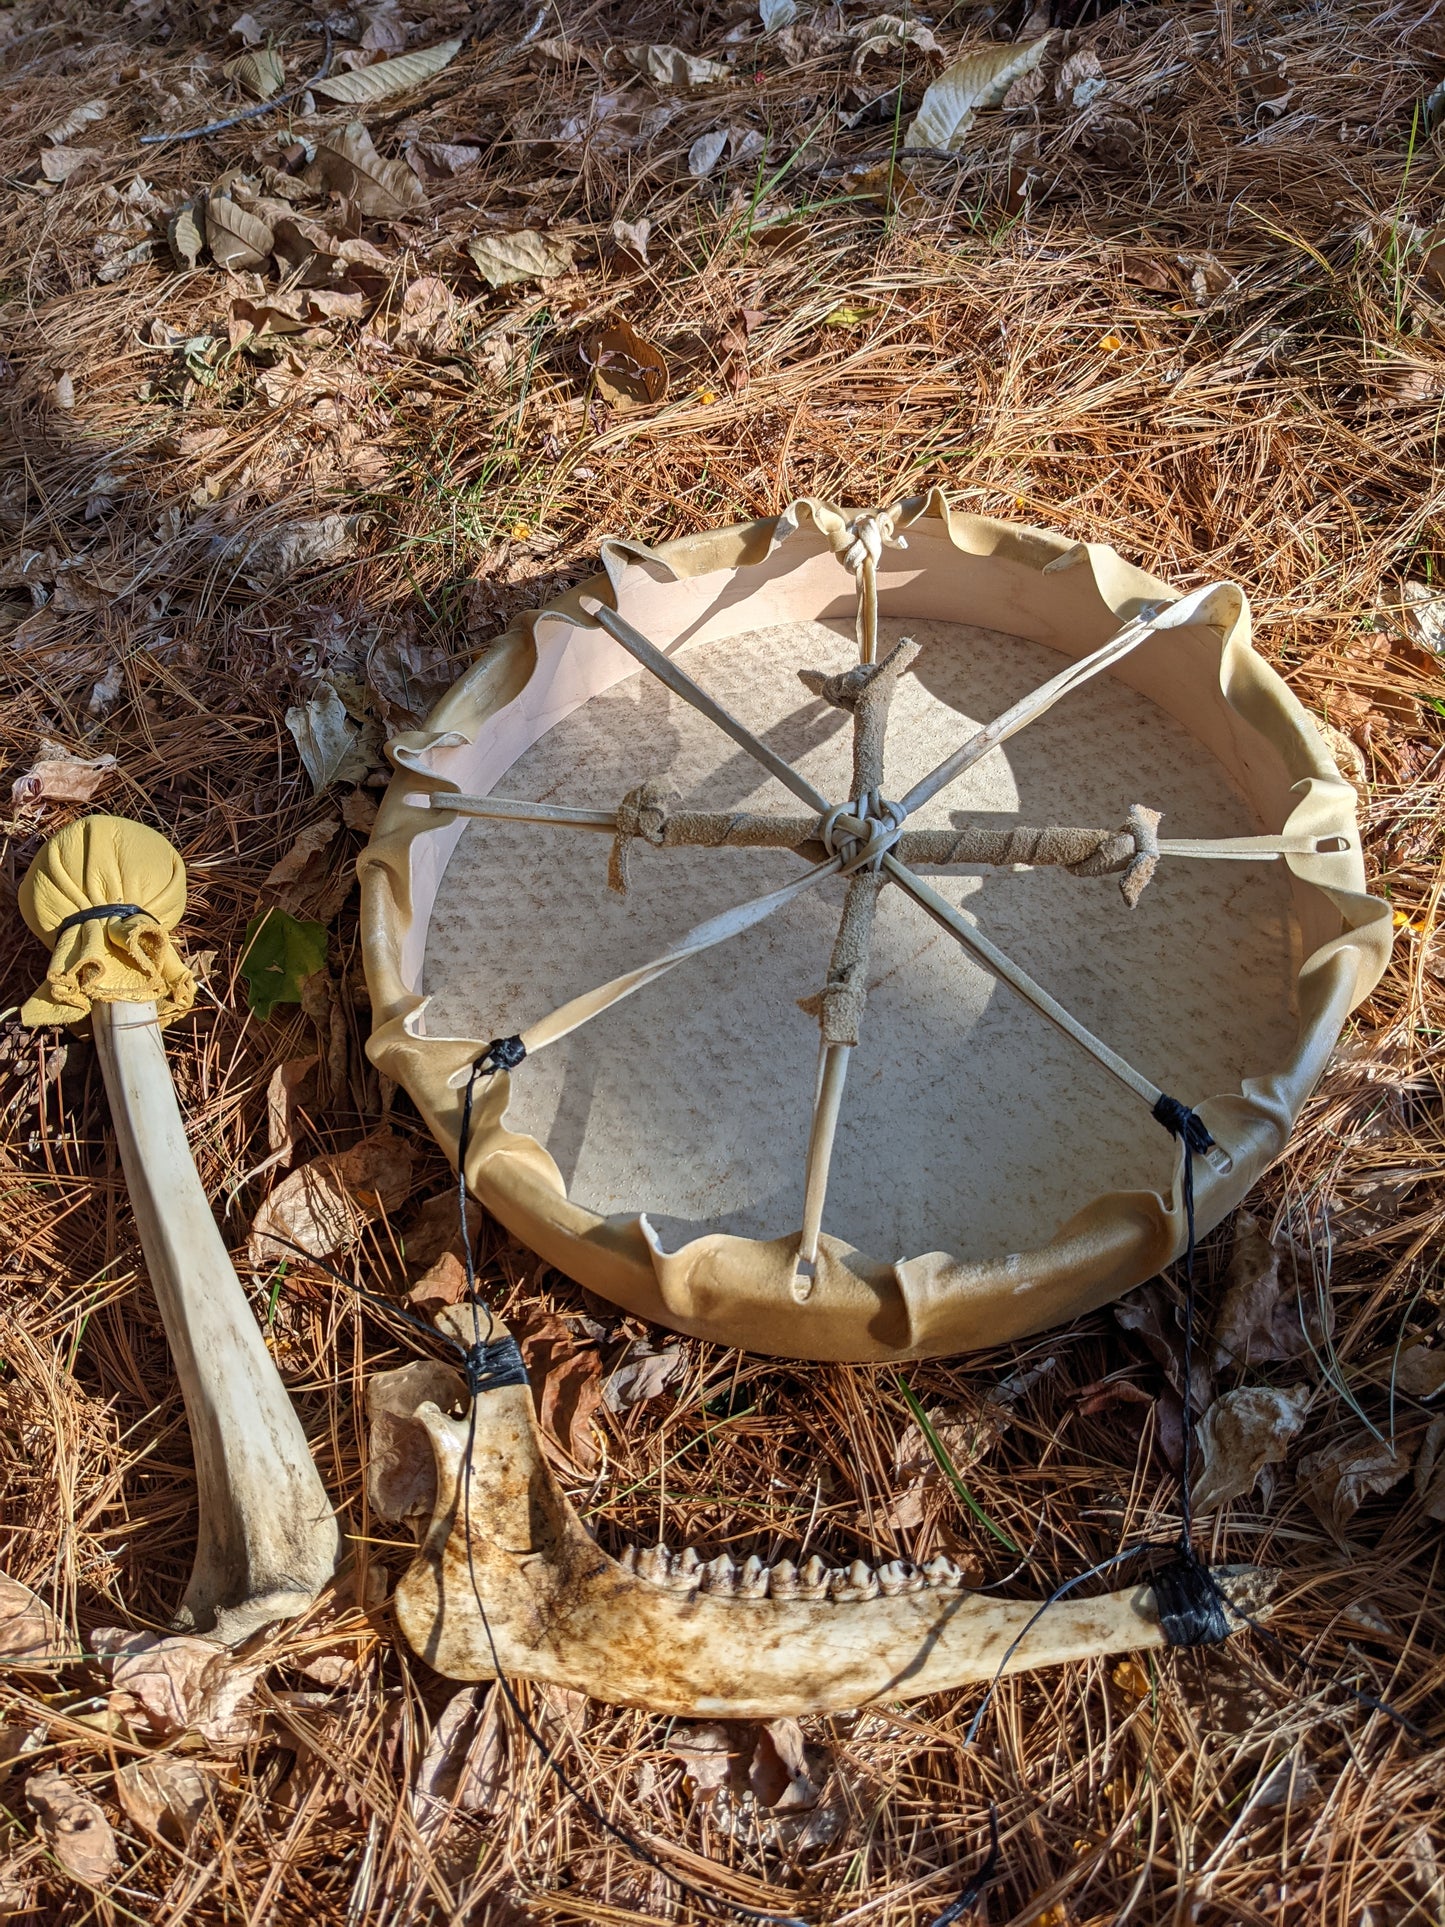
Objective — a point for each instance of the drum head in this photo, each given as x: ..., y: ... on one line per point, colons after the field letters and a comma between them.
x: 987, y: 1175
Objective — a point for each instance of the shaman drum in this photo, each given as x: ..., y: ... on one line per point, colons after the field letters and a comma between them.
x: 1055, y: 864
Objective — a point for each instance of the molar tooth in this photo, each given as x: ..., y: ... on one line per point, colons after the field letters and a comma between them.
x: 785, y: 1580
x: 654, y: 1563
x: 686, y: 1571
x: 857, y: 1581
x: 627, y: 1559
x: 720, y: 1575
x: 753, y: 1579
x: 813, y: 1579
x: 900, y: 1575
x: 943, y: 1573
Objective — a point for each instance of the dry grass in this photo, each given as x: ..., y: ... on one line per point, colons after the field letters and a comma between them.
x: 1213, y: 338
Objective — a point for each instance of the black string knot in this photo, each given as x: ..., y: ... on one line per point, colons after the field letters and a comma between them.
x: 502, y: 1054
x: 492, y: 1363
x: 1190, y: 1605
x: 99, y: 910
x: 1179, y: 1121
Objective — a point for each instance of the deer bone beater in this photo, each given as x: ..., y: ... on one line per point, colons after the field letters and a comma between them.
x: 508, y: 1579
x: 106, y: 893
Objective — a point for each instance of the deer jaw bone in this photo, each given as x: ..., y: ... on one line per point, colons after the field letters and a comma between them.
x: 674, y: 1635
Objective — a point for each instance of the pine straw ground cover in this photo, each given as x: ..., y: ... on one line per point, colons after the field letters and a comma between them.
x: 1179, y: 296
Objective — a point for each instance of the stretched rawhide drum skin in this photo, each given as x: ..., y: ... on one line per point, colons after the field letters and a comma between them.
x: 861, y: 889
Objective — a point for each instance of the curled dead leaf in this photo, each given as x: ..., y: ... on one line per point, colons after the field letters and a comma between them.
x: 75, y: 1827
x: 779, y: 1772
x: 324, y: 1206
x: 185, y: 234
x: 236, y: 238
x: 181, y: 1683
x: 258, y: 73
x: 567, y: 1386
x: 527, y: 255
x: 60, y: 776
x: 464, y: 1767
x: 628, y: 369
x: 164, y: 1797
x: 292, y: 1085
x: 1430, y: 1471
x: 79, y: 118
x: 382, y: 190
x: 671, y: 67
x: 30, y: 1633
x: 1240, y: 1436
x: 642, y: 1374
x: 1337, y: 1480
x: 1261, y: 1321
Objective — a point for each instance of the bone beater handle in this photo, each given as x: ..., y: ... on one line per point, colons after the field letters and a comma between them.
x: 267, y: 1537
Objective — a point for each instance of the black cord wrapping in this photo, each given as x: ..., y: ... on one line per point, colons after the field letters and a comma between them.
x: 493, y: 1363
x: 1192, y: 1133
x: 1191, y: 1609
x: 98, y: 911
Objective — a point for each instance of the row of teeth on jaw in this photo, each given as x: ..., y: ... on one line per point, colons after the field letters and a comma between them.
x: 685, y: 1572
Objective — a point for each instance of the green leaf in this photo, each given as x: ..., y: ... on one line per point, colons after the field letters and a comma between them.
x: 280, y: 955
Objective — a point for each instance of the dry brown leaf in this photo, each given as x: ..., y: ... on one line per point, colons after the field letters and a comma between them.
x: 400, y: 1464
x: 237, y: 239
x: 889, y: 185
x: 79, y: 118
x: 501, y: 259
x: 424, y: 322
x: 181, y: 1684
x: 313, y: 839
x: 292, y: 1085
x: 778, y: 1773
x: 443, y: 1283
x: 364, y: 86
x: 436, y: 1229
x: 248, y: 29
x: 185, y: 234
x: 59, y: 776
x: 951, y: 104
x: 464, y: 1767
x: 567, y: 1385
x: 705, y: 1752
x: 642, y: 1374
x: 889, y: 34
x: 631, y: 237
x: 1154, y: 1318
x: 270, y: 556
x: 324, y: 1206
x: 1430, y: 1471
x: 628, y: 369
x: 671, y: 67
x: 30, y: 1633
x: 408, y: 676
x: 165, y: 1798
x: 705, y: 153
x: 1259, y: 1320
x: 438, y: 160
x: 1240, y: 1436
x: 1148, y: 271
x: 380, y: 189
x: 60, y: 163
x: 75, y: 1827
x: 259, y: 74
x: 1339, y: 1478
x: 1420, y: 1371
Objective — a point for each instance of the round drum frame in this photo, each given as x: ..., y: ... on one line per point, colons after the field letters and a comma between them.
x: 809, y: 1295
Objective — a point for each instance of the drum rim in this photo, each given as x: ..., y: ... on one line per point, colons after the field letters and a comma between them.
x: 734, y: 1290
